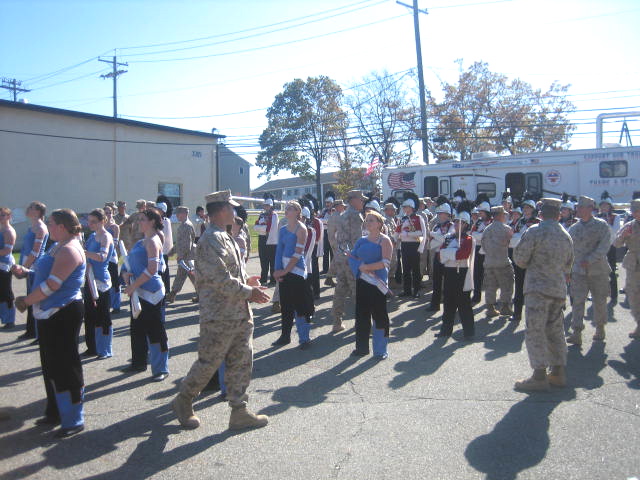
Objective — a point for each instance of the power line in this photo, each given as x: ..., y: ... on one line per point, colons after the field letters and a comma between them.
x: 13, y: 85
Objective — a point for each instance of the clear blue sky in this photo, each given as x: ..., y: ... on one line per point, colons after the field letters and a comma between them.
x: 250, y: 49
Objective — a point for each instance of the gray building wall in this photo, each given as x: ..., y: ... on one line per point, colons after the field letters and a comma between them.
x: 234, y: 172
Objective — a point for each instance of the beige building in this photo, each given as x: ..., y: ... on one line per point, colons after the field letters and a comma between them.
x: 79, y: 160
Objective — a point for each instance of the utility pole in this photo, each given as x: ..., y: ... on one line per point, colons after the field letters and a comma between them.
x: 13, y: 85
x: 421, y: 87
x: 114, y: 74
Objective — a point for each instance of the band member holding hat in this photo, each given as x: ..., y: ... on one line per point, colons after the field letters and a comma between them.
x: 477, y: 230
x: 456, y: 254
x: 440, y: 230
x: 226, y: 320
x: 325, y: 214
x: 590, y: 272
x: 629, y: 236
x: 498, y: 271
x: 7, y: 241
x: 546, y: 252
x: 412, y: 234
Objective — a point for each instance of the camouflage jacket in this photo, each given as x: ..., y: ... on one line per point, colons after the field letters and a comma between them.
x: 546, y: 251
x: 495, y: 243
x: 332, y: 225
x: 591, y: 242
x: 220, y: 277
x: 631, y: 259
x: 349, y: 228
x: 185, y: 236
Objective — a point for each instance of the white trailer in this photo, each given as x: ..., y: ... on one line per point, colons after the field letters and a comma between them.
x: 577, y: 172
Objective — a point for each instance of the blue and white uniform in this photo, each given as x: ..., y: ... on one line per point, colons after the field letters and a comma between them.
x: 149, y: 324
x: 7, y: 309
x: 28, y: 243
x: 113, y: 271
x: 59, y: 318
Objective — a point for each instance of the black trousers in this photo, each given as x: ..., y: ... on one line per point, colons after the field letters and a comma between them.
x: 115, y: 277
x: 411, y: 275
x: 61, y: 365
x: 267, y: 254
x: 398, y: 275
x: 96, y: 315
x: 327, y: 257
x: 438, y: 278
x: 456, y: 300
x: 6, y: 292
x: 296, y: 298
x: 166, y: 277
x: 613, y: 278
x: 518, y: 295
x: 478, y: 275
x: 148, y: 324
x: 371, y: 304
x: 315, y: 272
x: 31, y: 321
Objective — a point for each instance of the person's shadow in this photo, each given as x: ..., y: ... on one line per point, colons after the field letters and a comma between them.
x: 629, y: 368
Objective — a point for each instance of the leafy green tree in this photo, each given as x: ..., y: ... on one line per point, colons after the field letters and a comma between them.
x: 487, y: 111
x: 304, y: 123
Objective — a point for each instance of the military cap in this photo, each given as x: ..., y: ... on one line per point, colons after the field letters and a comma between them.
x: 121, y: 203
x: 109, y: 204
x: 497, y: 209
x: 552, y: 202
x: 339, y: 203
x: 356, y: 194
x: 223, y: 196
x: 140, y: 203
x: 182, y: 209
x: 584, y: 201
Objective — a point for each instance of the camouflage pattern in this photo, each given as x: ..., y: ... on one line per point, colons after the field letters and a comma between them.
x: 631, y: 264
x: 390, y: 224
x: 544, y: 330
x: 120, y: 219
x: 498, y: 278
x: 546, y: 251
x: 185, y: 236
x: 591, y: 242
x: 348, y: 232
x: 226, y: 320
x: 130, y: 230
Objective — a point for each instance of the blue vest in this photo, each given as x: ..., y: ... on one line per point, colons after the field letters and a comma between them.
x: 5, y: 260
x: 69, y: 290
x: 138, y: 261
x: 27, y: 245
x: 367, y: 252
x: 286, y: 249
x: 100, y: 269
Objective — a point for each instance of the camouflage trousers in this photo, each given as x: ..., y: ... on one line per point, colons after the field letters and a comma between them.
x: 221, y: 340
x: 498, y: 278
x: 345, y: 285
x: 632, y: 288
x: 579, y: 288
x: 393, y: 265
x: 178, y: 281
x: 544, y: 331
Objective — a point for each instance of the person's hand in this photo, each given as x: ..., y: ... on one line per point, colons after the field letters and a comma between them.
x: 363, y: 268
x: 129, y: 289
x: 20, y: 304
x: 258, y: 295
x: 279, y: 275
x: 19, y: 271
x: 254, y: 281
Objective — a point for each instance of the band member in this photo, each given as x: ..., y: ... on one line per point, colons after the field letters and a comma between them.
x: 567, y: 212
x: 528, y: 219
x: 391, y: 222
x: 440, y: 230
x: 114, y: 229
x: 456, y: 254
x: 477, y: 229
x: 317, y: 248
x: 7, y: 241
x: 615, y: 223
x: 507, y: 204
x: 412, y: 233
x: 166, y: 209
x: 267, y: 227
x: 329, y: 198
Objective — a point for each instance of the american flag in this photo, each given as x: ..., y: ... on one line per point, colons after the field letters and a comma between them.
x: 372, y: 166
x: 400, y: 181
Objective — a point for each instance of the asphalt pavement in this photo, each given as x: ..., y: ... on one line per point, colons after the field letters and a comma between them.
x: 435, y: 409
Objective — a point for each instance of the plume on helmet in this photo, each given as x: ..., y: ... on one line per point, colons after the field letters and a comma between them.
x: 441, y: 200
x: 482, y: 197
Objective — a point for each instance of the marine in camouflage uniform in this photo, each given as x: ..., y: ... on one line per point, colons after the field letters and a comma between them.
x: 185, y: 236
x: 332, y: 225
x: 348, y: 232
x: 546, y: 251
x: 591, y: 270
x: 130, y: 229
x: 226, y: 323
x: 498, y: 270
x: 629, y: 236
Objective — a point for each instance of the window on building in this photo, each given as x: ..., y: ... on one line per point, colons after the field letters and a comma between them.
x: 241, y: 170
x: 489, y: 188
x: 614, y: 168
x: 296, y: 191
x: 173, y: 191
x: 289, y: 193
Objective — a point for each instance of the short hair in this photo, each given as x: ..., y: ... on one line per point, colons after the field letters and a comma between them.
x: 153, y: 215
x: 215, y: 207
x: 67, y: 218
x: 5, y: 210
x: 549, y: 212
x: 98, y: 213
x: 239, y: 221
x: 199, y: 208
x: 377, y: 216
x: 41, y: 207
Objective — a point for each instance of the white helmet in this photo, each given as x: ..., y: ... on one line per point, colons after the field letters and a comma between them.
x: 444, y: 208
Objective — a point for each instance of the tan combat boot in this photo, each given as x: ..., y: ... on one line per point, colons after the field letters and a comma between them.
x: 338, y: 326
x: 575, y: 338
x: 557, y: 377
x: 241, y: 418
x: 505, y: 310
x: 535, y: 383
x: 171, y: 297
x: 600, y: 334
x: 184, y: 410
x: 491, y: 311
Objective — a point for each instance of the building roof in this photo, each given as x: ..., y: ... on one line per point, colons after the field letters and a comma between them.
x: 227, y: 153
x: 328, y: 177
x: 103, y: 118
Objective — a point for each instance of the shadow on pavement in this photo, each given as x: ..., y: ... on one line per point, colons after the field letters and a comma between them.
x: 629, y: 368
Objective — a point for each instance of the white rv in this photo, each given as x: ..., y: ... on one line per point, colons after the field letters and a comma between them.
x: 577, y: 172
